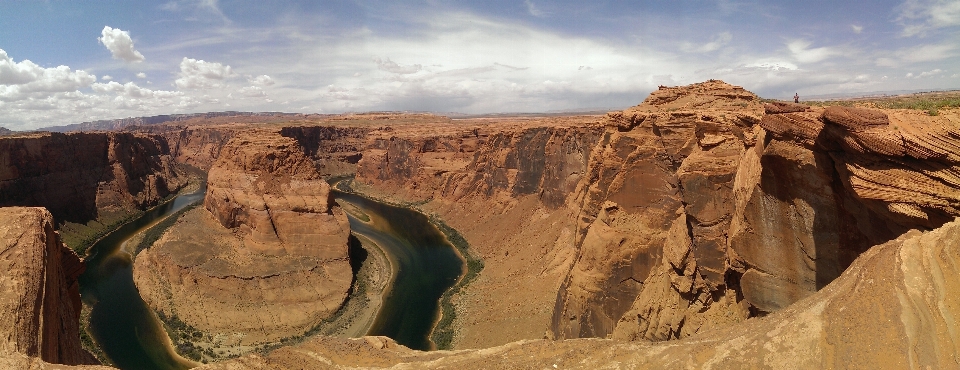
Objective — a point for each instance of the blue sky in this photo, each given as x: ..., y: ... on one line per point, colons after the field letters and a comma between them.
x: 72, y: 61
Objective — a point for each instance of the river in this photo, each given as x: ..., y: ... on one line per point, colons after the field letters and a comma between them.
x: 132, y: 337
x: 126, y: 329
x: 425, y: 265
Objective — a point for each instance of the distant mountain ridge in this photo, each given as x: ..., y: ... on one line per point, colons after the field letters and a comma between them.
x: 117, y: 124
x: 5, y: 131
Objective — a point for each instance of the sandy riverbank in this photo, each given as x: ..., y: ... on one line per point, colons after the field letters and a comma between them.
x: 371, y: 283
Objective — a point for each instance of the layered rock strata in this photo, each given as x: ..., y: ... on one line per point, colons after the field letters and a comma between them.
x: 493, y: 162
x: 39, y: 293
x: 816, y: 189
x: 82, y: 176
x: 502, y: 184
x: 265, y: 259
x: 336, y: 149
x: 893, y: 308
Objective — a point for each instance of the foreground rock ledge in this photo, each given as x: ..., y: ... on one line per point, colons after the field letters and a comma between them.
x: 266, y: 259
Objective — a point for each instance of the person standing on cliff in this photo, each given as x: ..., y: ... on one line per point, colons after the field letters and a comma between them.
x: 796, y: 98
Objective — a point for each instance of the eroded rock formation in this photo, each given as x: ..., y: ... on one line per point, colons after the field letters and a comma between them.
x: 265, y: 259
x: 39, y: 294
x: 655, y: 209
x: 695, y: 210
x: 495, y: 163
x: 817, y: 188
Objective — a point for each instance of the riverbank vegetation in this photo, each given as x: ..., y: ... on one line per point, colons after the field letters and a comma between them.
x: 86, y: 340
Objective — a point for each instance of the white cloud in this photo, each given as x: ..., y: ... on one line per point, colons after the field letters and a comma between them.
x: 918, y: 54
x: 718, y: 41
x: 252, y: 92
x: 106, y: 77
x: 261, y: 80
x: 772, y: 65
x: 801, y: 51
x: 919, y: 17
x: 199, y: 8
x: 462, y: 62
x: 929, y: 73
x: 856, y: 29
x: 141, y: 75
x: 120, y: 44
x: 25, y: 79
x: 533, y: 9
x: 32, y: 96
x: 392, y: 67
x: 131, y: 90
x: 200, y: 74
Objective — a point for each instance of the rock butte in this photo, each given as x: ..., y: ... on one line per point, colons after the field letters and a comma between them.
x: 282, y: 269
x: 734, y: 233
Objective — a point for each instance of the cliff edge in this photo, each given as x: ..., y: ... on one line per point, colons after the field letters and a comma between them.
x: 39, y: 293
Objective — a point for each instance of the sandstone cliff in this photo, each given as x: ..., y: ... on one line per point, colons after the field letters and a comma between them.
x: 497, y: 161
x: 336, y: 149
x: 39, y: 293
x: 654, y: 210
x: 684, y: 216
x: 893, y: 308
x: 267, y: 257
x: 501, y: 183
x: 86, y: 177
x: 694, y: 217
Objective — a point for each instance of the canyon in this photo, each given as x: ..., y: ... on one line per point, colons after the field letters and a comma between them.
x: 705, y: 227
x: 88, y: 181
